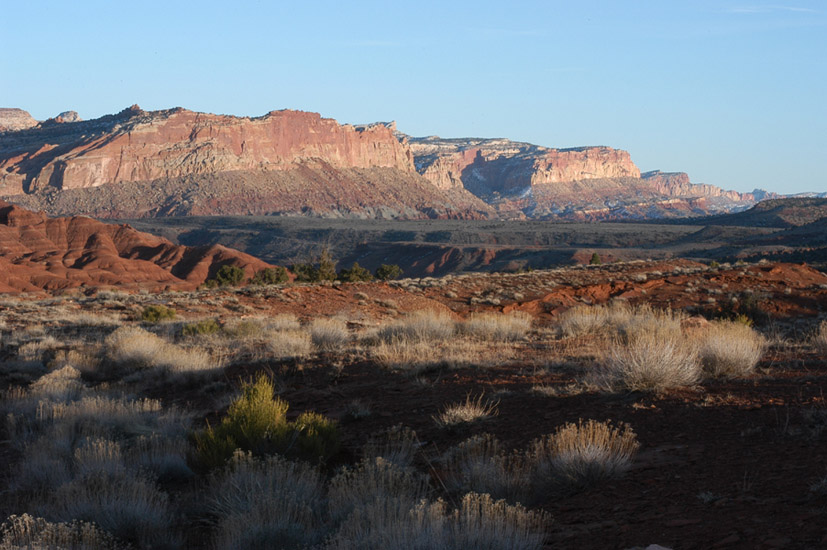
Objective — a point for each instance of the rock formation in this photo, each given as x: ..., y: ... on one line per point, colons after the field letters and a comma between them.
x: 187, y: 162
x: 40, y: 253
x: 15, y: 119
x: 584, y: 183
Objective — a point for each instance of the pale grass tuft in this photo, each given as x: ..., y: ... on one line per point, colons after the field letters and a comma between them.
x: 397, y: 444
x: 619, y: 318
x: 135, y: 347
x: 480, y: 464
x: 729, y: 349
x: 59, y: 385
x: 28, y: 532
x: 497, y: 327
x: 267, y: 503
x: 480, y: 522
x: 471, y: 410
x: 652, y: 361
x: 417, y: 357
x: 820, y: 338
x: 582, y: 454
x: 98, y: 456
x: 371, y: 481
x: 129, y: 507
x: 329, y: 334
x: 288, y: 343
x: 420, y: 326
x: 283, y: 321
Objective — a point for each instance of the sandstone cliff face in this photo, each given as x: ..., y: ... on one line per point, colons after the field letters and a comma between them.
x: 40, y: 253
x: 585, y: 183
x: 140, y: 146
x: 178, y: 162
x: 15, y: 119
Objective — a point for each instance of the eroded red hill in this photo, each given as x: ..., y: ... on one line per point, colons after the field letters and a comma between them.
x: 40, y: 253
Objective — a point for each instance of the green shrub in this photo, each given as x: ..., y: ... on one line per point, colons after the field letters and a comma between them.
x: 256, y: 422
x: 595, y: 259
x: 270, y: 276
x: 157, y: 313
x: 355, y: 274
x: 387, y: 272
x: 229, y: 275
x: 324, y: 269
x: 205, y: 326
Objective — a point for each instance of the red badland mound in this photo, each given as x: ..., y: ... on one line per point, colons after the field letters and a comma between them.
x: 41, y: 253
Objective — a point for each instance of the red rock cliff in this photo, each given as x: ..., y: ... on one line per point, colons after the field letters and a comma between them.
x: 142, y: 146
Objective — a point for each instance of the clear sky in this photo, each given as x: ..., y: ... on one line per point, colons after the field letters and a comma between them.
x: 734, y: 93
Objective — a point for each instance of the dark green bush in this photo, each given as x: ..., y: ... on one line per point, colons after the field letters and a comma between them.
x: 156, y: 313
x: 229, y: 275
x: 387, y: 272
x: 355, y: 274
x: 595, y: 259
x: 270, y: 276
x: 324, y: 269
x: 256, y: 422
x: 205, y: 326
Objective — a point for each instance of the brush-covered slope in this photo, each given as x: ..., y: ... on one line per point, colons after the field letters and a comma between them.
x: 40, y: 253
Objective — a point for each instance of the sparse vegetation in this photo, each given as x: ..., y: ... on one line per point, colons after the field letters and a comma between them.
x: 652, y: 361
x: 470, y: 410
x: 270, y: 276
x: 388, y: 272
x: 157, y: 313
x: 355, y: 274
x: 730, y: 349
x: 497, y: 327
x: 329, y: 334
x: 203, y: 327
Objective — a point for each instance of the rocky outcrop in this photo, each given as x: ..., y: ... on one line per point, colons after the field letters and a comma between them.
x: 183, y: 162
x: 584, y: 183
x: 39, y: 253
x: 15, y: 119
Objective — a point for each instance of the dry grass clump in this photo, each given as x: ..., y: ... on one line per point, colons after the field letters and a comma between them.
x: 620, y: 319
x: 397, y: 444
x: 329, y: 334
x: 497, y: 326
x: 729, y: 349
x: 416, y: 356
x: 126, y: 505
x: 267, y: 503
x: 651, y: 361
x: 820, y: 339
x: 374, y: 482
x: 580, y: 455
x: 471, y: 410
x: 59, y: 385
x: 479, y: 522
x: 137, y: 348
x: 420, y: 326
x: 288, y: 343
x: 283, y: 321
x: 570, y: 459
x: 28, y: 532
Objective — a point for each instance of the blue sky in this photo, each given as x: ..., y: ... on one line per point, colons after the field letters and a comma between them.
x: 734, y: 93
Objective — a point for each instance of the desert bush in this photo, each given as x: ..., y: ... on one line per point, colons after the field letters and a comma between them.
x: 355, y: 274
x: 480, y: 522
x: 388, y: 272
x: 324, y: 269
x: 471, y: 410
x: 729, y: 349
x: 157, y: 313
x: 164, y: 457
x: 137, y: 348
x: 202, y: 327
x: 85, y: 359
x: 266, y: 503
x: 371, y: 481
x: 28, y: 532
x: 820, y: 338
x: 651, y: 361
x: 270, y: 276
x: 229, y: 275
x: 579, y: 455
x: 126, y: 505
x: 329, y: 334
x: 497, y: 326
x: 288, y: 343
x: 420, y: 326
x: 480, y: 464
x: 62, y: 384
x: 256, y: 422
x: 97, y: 456
x: 283, y: 321
x: 620, y: 319
x: 244, y: 329
x: 397, y: 444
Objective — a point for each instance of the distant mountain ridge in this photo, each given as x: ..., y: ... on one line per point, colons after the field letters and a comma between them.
x: 177, y: 162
